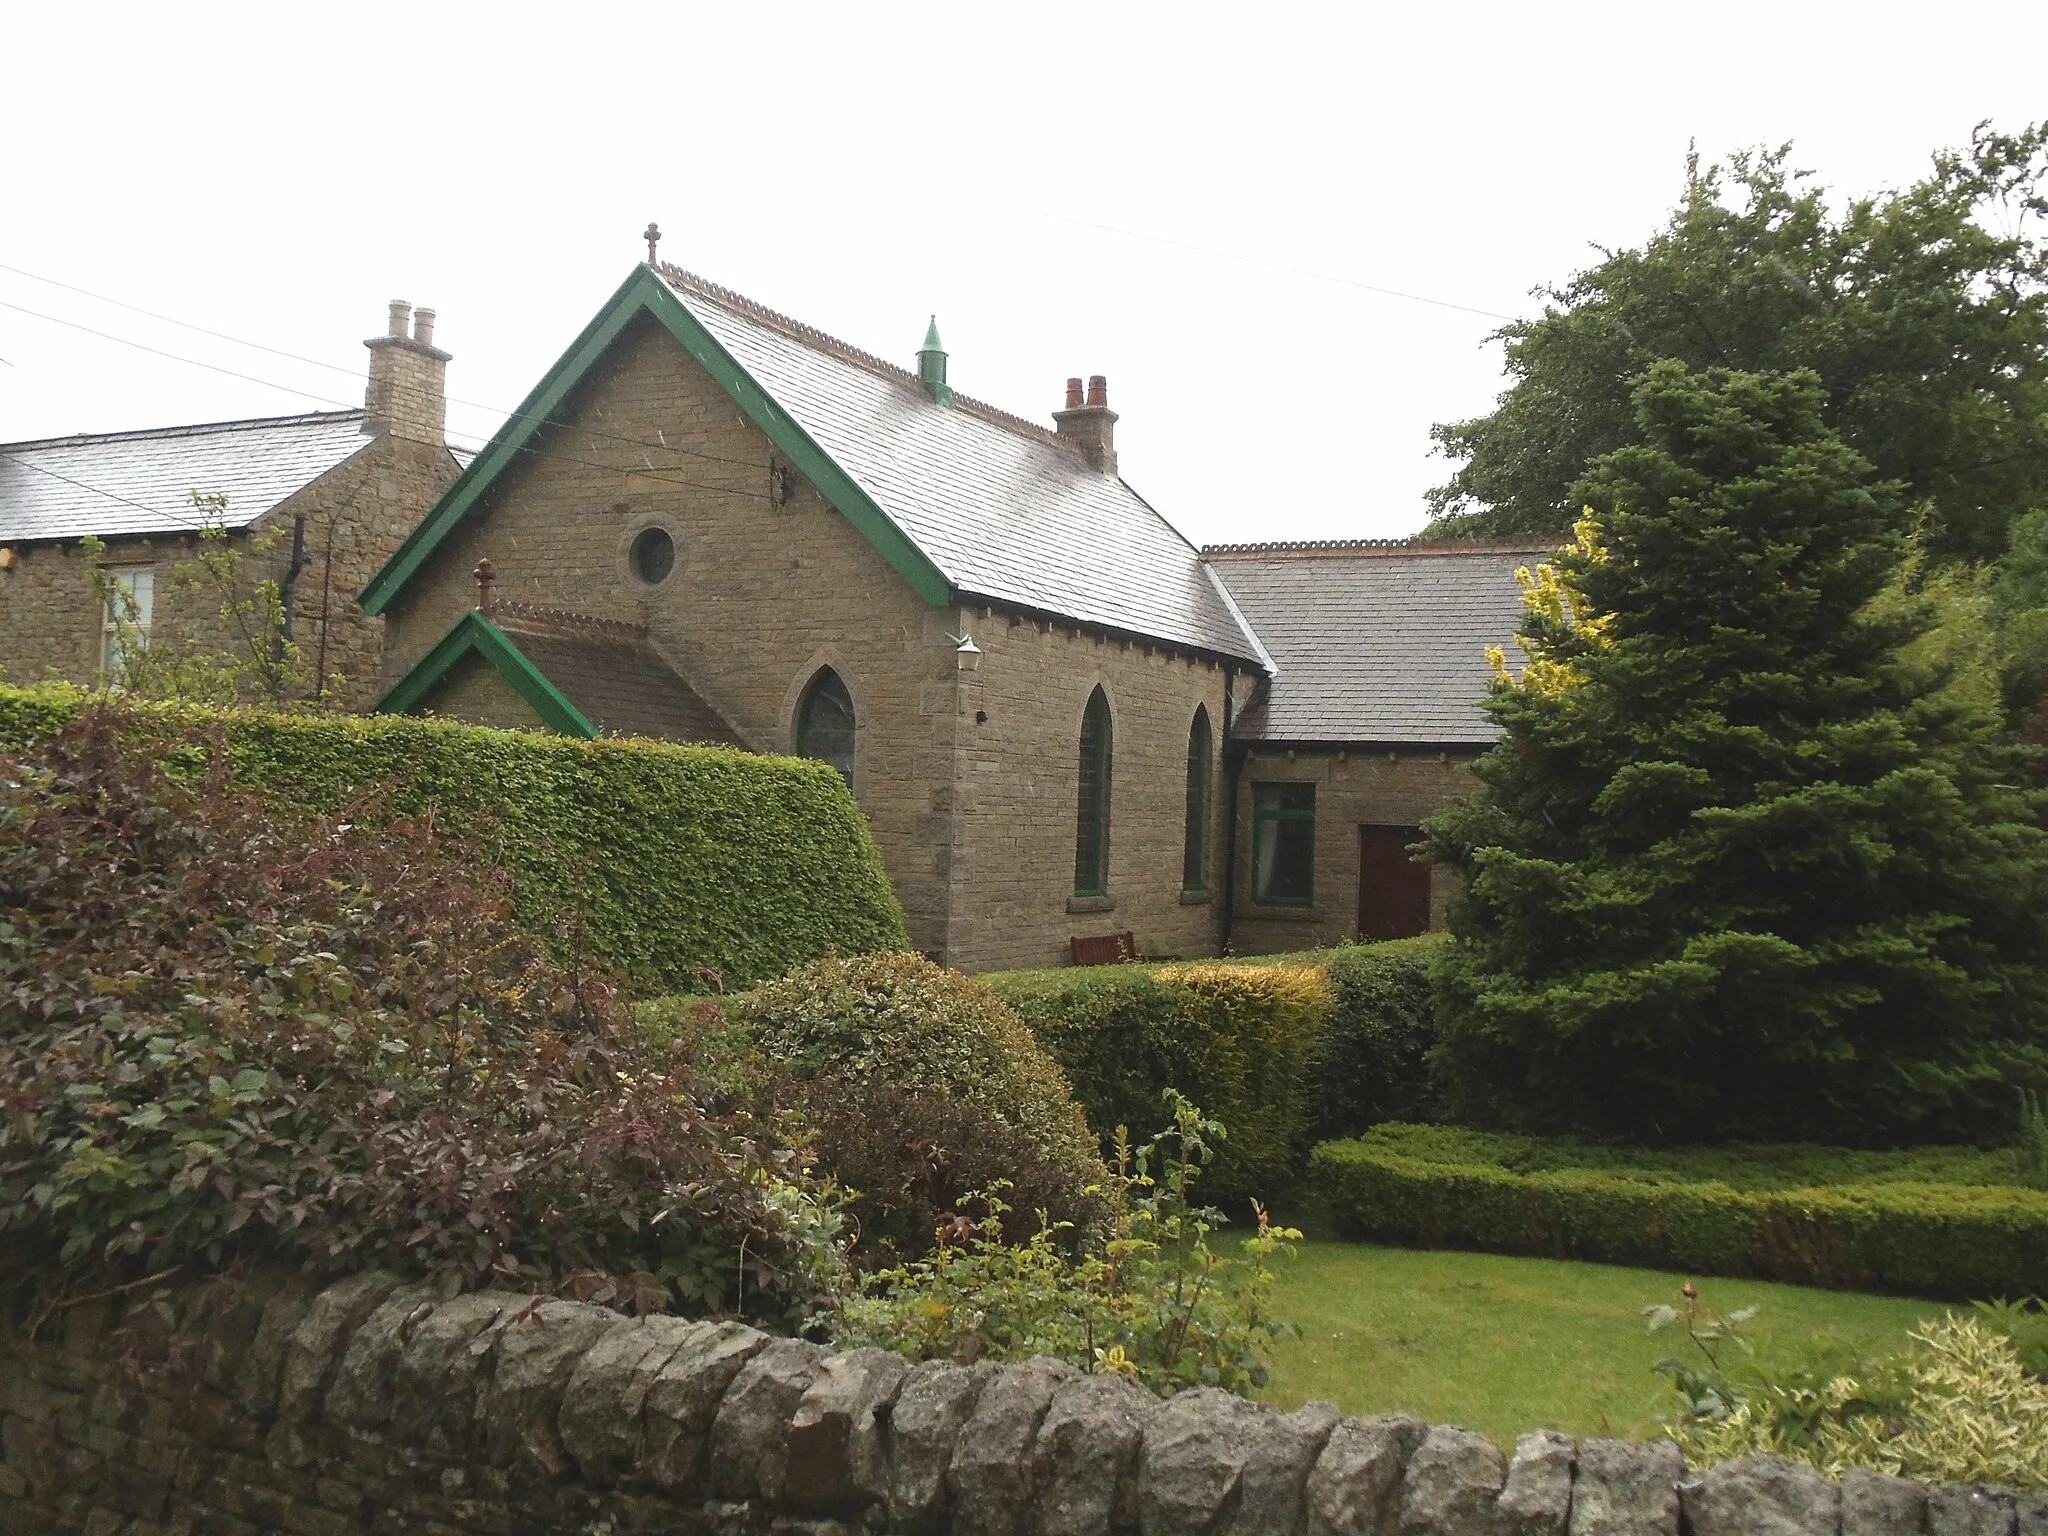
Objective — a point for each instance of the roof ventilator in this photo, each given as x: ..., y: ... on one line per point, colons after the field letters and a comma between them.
x: 931, y: 365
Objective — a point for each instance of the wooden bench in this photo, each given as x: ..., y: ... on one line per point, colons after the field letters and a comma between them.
x: 1105, y: 949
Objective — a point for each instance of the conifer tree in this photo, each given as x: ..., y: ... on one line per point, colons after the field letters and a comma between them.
x: 1738, y: 867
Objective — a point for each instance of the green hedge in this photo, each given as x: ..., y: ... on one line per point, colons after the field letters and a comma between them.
x: 1973, y: 1240
x: 1239, y: 1040
x: 675, y: 857
x: 1374, y: 1062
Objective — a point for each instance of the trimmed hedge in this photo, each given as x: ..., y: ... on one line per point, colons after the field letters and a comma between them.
x: 1374, y: 1064
x: 1927, y: 1239
x: 657, y: 859
x: 1239, y: 1040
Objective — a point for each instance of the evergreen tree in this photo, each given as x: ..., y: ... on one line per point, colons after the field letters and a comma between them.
x: 1924, y: 313
x: 1739, y: 867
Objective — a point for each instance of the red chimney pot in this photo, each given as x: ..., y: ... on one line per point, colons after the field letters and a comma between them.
x: 1073, y: 394
x: 1098, y: 390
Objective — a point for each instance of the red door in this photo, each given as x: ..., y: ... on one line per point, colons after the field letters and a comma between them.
x: 1393, y: 890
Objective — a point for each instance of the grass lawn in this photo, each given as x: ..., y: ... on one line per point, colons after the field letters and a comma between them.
x: 1502, y: 1345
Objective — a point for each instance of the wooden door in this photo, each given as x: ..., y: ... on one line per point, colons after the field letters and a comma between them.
x: 1393, y: 890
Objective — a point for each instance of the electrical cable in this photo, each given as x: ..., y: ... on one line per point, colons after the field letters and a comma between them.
x: 648, y: 472
x: 314, y: 362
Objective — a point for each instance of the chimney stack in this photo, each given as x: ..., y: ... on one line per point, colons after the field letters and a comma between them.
x: 408, y: 393
x: 1089, y: 424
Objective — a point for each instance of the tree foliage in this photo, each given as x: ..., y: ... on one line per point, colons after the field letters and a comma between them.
x: 228, y: 1028
x: 1739, y: 866
x: 1923, y: 314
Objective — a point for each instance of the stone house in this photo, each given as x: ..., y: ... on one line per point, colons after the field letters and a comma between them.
x: 1065, y: 724
x: 341, y: 490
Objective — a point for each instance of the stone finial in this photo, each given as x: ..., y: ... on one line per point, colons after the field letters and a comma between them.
x: 652, y: 235
x: 486, y: 575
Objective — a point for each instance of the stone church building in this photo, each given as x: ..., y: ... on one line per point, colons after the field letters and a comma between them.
x: 1074, y: 734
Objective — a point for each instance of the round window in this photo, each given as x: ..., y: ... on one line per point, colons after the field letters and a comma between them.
x: 654, y: 556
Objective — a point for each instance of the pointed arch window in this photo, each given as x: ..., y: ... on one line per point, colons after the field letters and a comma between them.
x: 1091, y: 831
x: 1194, y: 861
x: 824, y: 723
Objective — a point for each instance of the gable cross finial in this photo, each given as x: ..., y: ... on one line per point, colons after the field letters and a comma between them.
x: 653, y: 238
x: 486, y: 578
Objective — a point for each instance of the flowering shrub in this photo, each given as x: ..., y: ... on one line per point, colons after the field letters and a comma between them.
x: 226, y: 1027
x: 1154, y: 1300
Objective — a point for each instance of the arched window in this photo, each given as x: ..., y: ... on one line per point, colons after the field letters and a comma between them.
x: 1194, y: 859
x: 1091, y: 830
x: 824, y: 723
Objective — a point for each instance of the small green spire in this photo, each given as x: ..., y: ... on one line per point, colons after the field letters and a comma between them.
x: 931, y: 365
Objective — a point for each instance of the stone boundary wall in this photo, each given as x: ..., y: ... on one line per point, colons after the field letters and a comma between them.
x: 268, y: 1404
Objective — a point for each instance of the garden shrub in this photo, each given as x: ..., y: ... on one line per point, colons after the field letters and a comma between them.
x: 229, y: 1028
x: 1241, y: 1040
x: 1956, y: 1405
x: 661, y: 861
x: 1435, y: 1187
x: 1381, y: 1025
x: 1154, y: 1301
x: 922, y: 1091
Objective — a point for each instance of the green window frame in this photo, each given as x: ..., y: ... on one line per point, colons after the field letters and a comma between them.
x: 1284, y: 844
x: 1091, y: 817
x: 1194, y: 859
x: 825, y: 723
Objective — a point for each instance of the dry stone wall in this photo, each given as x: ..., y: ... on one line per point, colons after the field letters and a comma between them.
x: 370, y: 1406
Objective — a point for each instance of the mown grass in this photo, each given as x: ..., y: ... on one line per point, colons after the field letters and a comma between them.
x: 1503, y: 1345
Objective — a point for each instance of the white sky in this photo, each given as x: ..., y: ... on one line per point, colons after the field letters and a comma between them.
x: 278, y: 172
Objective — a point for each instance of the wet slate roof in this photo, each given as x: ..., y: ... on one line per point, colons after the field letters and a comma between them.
x: 116, y: 484
x: 613, y: 675
x: 1375, y: 642
x: 1002, y: 508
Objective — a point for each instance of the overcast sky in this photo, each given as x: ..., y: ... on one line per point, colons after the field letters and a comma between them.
x: 1137, y: 191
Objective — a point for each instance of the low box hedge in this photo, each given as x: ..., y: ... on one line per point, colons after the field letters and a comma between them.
x: 660, y: 859
x: 1437, y: 1188
x: 1239, y: 1040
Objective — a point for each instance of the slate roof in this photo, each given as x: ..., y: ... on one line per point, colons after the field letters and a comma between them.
x: 613, y: 675
x: 1005, y: 510
x: 124, y: 484
x: 1377, y: 642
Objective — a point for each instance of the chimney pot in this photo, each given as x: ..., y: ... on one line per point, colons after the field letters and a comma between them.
x: 423, y: 327
x: 1098, y: 390
x: 1073, y: 394
x: 1089, y: 424
x: 400, y: 310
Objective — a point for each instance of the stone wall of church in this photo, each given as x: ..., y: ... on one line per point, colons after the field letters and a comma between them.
x: 356, y: 515
x: 763, y: 592
x: 1013, y: 865
x: 476, y: 693
x: 1354, y: 788
x: 975, y: 820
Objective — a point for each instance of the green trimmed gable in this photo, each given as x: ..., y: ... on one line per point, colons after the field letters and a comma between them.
x: 643, y: 292
x: 475, y: 635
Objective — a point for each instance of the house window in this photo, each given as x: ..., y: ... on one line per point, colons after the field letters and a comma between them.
x: 1284, y: 844
x: 653, y: 555
x: 1091, y: 829
x: 824, y: 723
x: 1194, y: 875
x: 124, y: 624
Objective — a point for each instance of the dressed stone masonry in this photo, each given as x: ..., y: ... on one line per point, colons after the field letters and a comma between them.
x: 371, y: 1406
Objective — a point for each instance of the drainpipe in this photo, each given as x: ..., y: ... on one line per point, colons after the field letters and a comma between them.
x: 291, y: 576
x: 1232, y: 763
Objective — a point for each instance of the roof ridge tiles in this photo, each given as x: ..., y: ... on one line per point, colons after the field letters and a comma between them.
x: 189, y: 429
x: 824, y: 341
x: 1382, y: 547
x: 565, y: 619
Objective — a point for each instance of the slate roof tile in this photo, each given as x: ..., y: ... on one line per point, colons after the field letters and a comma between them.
x: 1375, y: 642
x: 611, y: 673
x: 1003, y: 508
x: 125, y: 484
